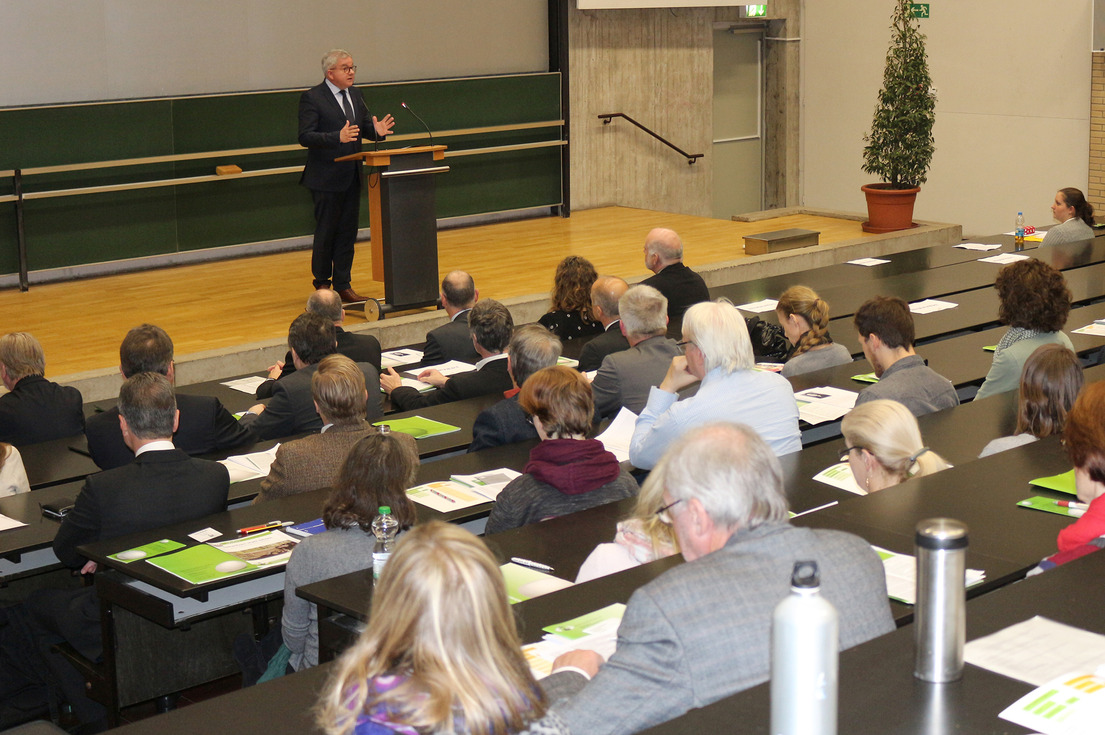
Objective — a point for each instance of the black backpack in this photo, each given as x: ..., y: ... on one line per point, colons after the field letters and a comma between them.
x: 769, y: 343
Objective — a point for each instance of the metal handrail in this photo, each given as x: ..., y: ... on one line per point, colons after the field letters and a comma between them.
x: 691, y: 157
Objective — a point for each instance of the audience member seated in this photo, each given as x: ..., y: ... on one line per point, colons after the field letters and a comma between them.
x: 357, y: 347
x: 804, y: 317
x: 1050, y: 383
x: 163, y: 485
x: 377, y: 472
x: 1035, y: 303
x: 440, y: 653
x: 605, y: 293
x: 491, y: 327
x: 885, y: 329
x: 681, y: 286
x: 719, y: 357
x: 34, y: 409
x: 1074, y: 215
x: 13, y: 478
x: 291, y: 410
x: 570, y: 314
x: 885, y: 447
x: 566, y: 472
x: 204, y: 426
x: 1084, y: 438
x: 312, y: 463
x: 702, y: 630
x: 626, y: 378
x: 453, y: 341
x: 644, y: 536
x: 531, y: 348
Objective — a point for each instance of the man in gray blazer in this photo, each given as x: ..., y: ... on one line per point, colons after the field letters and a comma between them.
x: 626, y: 377
x: 702, y: 630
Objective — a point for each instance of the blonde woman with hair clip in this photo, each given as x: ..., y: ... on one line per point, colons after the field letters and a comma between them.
x: 884, y: 445
x: 646, y: 535
x: 804, y: 317
x: 419, y: 667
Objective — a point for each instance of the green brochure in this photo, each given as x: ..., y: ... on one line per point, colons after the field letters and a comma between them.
x: 523, y: 583
x: 1063, y: 483
x: 202, y: 563
x: 419, y: 427
x: 147, y: 550
x: 577, y: 628
x: 1048, y: 505
x: 866, y: 378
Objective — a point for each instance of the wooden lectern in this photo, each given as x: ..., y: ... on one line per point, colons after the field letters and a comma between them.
x: 403, y: 220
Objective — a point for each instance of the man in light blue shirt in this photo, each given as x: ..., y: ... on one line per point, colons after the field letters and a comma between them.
x: 718, y: 353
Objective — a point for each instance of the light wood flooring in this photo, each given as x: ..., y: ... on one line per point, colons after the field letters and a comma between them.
x: 215, y: 305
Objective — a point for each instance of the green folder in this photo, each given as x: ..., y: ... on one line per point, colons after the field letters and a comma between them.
x: 576, y: 628
x: 151, y: 549
x: 866, y: 378
x: 1062, y: 483
x: 991, y: 348
x: 196, y: 564
x: 1038, y: 502
x: 419, y: 427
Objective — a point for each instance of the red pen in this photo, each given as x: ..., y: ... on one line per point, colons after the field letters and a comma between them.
x: 1072, y: 504
x: 263, y: 527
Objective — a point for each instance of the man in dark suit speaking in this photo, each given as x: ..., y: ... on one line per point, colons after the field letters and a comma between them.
x: 333, y: 117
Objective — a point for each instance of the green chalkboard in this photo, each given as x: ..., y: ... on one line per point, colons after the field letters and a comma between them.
x: 76, y: 230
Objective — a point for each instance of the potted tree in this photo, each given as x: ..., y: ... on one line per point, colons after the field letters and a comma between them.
x: 900, y: 146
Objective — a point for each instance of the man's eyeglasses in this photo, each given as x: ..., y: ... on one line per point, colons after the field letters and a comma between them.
x: 347, y: 69
x: 663, y: 516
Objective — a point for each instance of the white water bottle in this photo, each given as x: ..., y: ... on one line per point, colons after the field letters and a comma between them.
x: 804, y: 652
x: 385, y: 528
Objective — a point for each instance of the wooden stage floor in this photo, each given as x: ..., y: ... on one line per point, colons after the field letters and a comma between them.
x: 215, y: 305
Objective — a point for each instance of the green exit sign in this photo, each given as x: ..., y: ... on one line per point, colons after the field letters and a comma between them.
x: 920, y: 10
x: 755, y: 11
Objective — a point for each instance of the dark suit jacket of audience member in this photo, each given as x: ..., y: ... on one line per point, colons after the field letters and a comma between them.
x: 205, y: 427
x: 492, y: 378
x: 156, y: 489
x: 607, y: 343
x: 291, y: 410
x: 38, y: 410
x: 450, y: 341
x: 357, y: 347
x: 503, y: 423
x: 681, y: 286
x: 312, y: 462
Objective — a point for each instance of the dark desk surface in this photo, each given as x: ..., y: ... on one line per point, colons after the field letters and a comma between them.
x: 879, y: 694
x: 53, y: 462
x: 38, y: 533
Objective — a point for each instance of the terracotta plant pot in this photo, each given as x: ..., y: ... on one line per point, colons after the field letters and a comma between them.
x: 889, y: 209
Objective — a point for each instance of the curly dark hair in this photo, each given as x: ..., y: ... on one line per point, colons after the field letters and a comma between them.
x: 572, y: 286
x: 1033, y: 296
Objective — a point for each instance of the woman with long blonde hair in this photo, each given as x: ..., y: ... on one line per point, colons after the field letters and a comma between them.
x: 885, y: 447
x: 440, y: 653
x: 804, y: 317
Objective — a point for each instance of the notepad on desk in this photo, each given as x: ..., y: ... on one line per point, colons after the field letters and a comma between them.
x: 445, y: 496
x: 246, y: 385
x: 250, y: 466
x: 824, y: 403
x: 901, y: 575
x: 395, y: 358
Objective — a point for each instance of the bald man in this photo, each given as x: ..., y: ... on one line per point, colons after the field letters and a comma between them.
x: 680, y: 285
x: 452, y: 341
x: 605, y: 293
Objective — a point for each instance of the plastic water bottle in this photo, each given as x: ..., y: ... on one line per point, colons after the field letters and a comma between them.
x: 1018, y: 232
x: 385, y: 528
x: 804, y: 652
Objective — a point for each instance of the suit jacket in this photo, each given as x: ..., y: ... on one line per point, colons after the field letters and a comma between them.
x: 321, y: 119
x: 450, y: 341
x: 681, y: 286
x: 607, y: 343
x: 626, y: 377
x: 156, y: 489
x: 357, y: 347
x: 38, y: 410
x: 702, y: 631
x: 311, y: 463
x: 205, y: 427
x: 503, y: 423
x: 291, y: 410
x: 491, y: 378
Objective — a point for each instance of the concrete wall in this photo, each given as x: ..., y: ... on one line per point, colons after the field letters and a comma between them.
x: 1012, y: 116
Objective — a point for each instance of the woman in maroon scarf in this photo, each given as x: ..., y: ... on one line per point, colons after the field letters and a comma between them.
x: 566, y: 472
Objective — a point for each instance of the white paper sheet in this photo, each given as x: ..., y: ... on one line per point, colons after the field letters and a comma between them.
x: 867, y: 262
x: 825, y: 403
x: 395, y: 358
x: 1003, y: 258
x: 901, y: 575
x: 446, y: 368
x: 7, y: 523
x: 1037, y: 650
x: 840, y: 476
x: 979, y: 245
x: 928, y: 306
x: 246, y: 385
x: 619, y: 434
x: 759, y: 307
x: 488, y: 484
x: 1095, y: 329
x: 249, y: 466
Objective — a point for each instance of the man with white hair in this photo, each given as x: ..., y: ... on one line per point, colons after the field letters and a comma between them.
x: 718, y: 356
x: 680, y: 285
x: 702, y: 631
x: 626, y: 378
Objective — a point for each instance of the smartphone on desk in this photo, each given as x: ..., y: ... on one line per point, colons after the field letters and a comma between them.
x: 57, y: 509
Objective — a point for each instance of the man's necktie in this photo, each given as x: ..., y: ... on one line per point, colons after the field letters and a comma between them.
x: 347, y: 106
